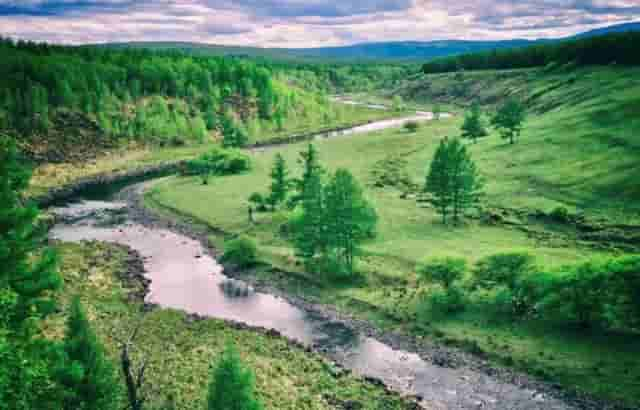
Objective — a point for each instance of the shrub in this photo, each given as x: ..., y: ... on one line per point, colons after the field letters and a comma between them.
x: 258, y: 200
x: 503, y: 269
x: 560, y: 214
x: 601, y: 293
x: 240, y: 251
x: 440, y: 302
x: 444, y: 271
x: 412, y: 126
x: 218, y: 161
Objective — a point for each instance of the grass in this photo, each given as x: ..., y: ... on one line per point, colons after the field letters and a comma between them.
x: 577, y: 151
x: 50, y: 176
x: 179, y: 352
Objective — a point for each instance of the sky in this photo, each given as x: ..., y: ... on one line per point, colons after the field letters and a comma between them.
x: 304, y: 23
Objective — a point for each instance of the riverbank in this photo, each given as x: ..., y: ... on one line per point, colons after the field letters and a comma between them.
x: 179, y: 348
x: 312, y: 296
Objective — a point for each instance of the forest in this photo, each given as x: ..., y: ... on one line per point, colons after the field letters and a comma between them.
x: 166, y: 98
x: 615, y: 48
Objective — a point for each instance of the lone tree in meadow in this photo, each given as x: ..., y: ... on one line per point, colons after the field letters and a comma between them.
x: 437, y: 111
x: 89, y: 377
x: 473, y: 127
x: 453, y: 180
x: 232, y: 386
x: 349, y: 217
x: 279, y: 182
x: 509, y: 118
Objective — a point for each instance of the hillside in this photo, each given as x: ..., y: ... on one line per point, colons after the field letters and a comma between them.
x: 578, y: 147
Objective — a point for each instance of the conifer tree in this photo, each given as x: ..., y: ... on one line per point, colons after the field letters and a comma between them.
x: 308, y: 225
x: 27, y: 279
x: 88, y: 375
x: 232, y: 385
x: 349, y: 217
x: 21, y: 239
x: 453, y: 179
x: 279, y: 182
x: 509, y: 119
x: 473, y: 128
x: 438, y: 183
x: 466, y: 184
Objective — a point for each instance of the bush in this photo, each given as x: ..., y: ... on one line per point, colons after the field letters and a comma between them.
x: 603, y: 293
x: 444, y: 271
x: 560, y: 214
x: 218, y: 161
x: 412, y: 126
x: 258, y: 200
x: 240, y: 251
x: 503, y: 269
x: 440, y: 302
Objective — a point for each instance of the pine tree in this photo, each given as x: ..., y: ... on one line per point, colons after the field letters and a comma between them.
x: 466, y: 184
x: 89, y: 377
x: 308, y: 225
x: 279, y: 182
x: 438, y: 183
x: 473, y: 128
x: 27, y: 279
x: 21, y: 239
x: 232, y: 386
x: 509, y: 119
x: 349, y: 217
x: 453, y: 179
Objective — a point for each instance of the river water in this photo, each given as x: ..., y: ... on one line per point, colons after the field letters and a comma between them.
x: 184, y: 276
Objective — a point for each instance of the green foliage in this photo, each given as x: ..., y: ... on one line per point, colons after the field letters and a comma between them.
x: 473, y: 127
x: 333, y: 219
x: 412, y: 126
x: 444, y: 271
x: 259, y: 201
x: 89, y: 378
x: 241, y: 251
x: 233, y: 135
x: 232, y: 385
x: 279, y: 182
x: 439, y: 302
x: 218, y: 161
x: 603, y: 50
x: 503, y: 269
x: 349, y: 218
x: 397, y: 104
x: 28, y: 270
x: 27, y: 281
x: 509, y: 119
x: 453, y: 180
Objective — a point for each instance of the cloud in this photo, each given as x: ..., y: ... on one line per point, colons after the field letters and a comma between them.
x: 304, y: 23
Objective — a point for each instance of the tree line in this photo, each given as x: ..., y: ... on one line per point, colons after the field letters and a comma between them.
x: 74, y: 373
x: 168, y: 97
x: 614, y: 48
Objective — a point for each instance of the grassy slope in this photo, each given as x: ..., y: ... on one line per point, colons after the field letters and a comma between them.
x: 179, y: 352
x: 577, y: 150
x: 580, y: 146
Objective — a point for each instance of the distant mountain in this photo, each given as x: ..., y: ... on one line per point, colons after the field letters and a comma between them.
x: 387, y: 51
x: 619, y: 28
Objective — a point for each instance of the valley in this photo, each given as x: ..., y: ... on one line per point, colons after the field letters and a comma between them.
x: 320, y: 234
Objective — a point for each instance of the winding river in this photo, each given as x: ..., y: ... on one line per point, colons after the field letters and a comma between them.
x: 185, y: 276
